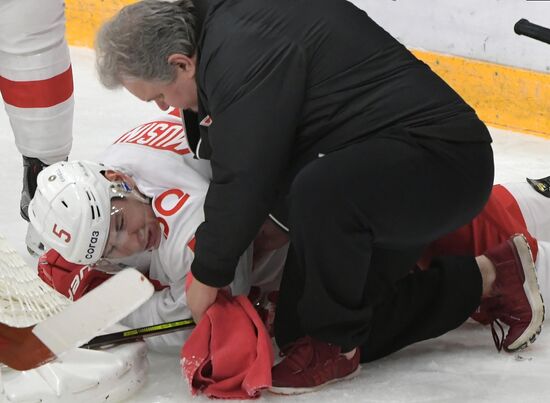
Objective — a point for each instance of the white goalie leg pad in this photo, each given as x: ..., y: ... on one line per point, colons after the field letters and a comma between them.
x: 83, y: 376
x: 94, y: 312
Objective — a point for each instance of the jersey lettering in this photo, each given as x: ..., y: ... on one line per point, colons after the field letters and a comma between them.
x: 167, y: 136
x: 164, y: 226
x: 167, y: 204
x: 160, y: 203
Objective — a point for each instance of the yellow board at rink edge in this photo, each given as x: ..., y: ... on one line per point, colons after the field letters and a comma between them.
x: 85, y: 16
x: 503, y: 96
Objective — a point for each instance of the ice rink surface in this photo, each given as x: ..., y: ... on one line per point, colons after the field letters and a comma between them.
x: 462, y: 366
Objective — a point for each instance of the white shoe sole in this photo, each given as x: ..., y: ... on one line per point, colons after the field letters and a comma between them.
x: 532, y: 291
x: 298, y: 391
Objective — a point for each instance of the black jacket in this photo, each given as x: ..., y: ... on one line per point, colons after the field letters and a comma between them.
x: 286, y: 80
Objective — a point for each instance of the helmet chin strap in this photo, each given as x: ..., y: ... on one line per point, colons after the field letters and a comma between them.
x: 123, y: 189
x: 140, y: 196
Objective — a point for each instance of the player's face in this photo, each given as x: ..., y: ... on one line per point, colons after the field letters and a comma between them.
x: 179, y: 93
x: 133, y: 229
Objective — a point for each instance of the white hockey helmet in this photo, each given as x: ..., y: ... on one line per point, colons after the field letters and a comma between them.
x: 71, y: 209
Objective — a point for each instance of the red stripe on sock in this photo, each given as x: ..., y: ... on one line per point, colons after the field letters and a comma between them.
x: 38, y: 94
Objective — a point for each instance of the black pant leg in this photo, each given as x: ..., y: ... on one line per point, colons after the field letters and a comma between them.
x: 392, y: 192
x: 287, y: 326
x: 410, y: 314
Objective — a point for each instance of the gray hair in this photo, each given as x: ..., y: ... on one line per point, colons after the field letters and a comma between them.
x: 136, y: 42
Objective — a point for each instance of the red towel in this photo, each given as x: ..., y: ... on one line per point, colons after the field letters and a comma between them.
x: 229, y: 354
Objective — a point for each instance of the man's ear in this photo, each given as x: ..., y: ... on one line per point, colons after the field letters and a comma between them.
x: 187, y: 64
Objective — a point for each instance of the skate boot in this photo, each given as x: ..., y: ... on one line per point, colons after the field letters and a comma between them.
x: 516, y: 300
x: 31, y: 169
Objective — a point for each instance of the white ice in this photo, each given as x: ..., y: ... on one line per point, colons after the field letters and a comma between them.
x: 462, y: 366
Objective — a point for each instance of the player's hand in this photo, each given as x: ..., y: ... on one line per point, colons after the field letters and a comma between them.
x: 52, y: 268
x: 70, y: 279
x: 199, y: 298
x: 21, y: 350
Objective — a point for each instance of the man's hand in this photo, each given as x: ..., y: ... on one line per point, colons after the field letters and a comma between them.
x: 199, y: 298
x: 21, y: 350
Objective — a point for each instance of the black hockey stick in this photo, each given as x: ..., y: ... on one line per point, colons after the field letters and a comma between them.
x: 130, y: 335
x: 524, y: 27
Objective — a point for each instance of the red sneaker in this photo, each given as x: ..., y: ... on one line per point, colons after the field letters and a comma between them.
x: 517, y: 301
x: 481, y: 316
x: 310, y: 364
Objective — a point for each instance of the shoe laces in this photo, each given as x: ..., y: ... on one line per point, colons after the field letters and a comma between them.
x: 297, y: 360
x: 497, y: 338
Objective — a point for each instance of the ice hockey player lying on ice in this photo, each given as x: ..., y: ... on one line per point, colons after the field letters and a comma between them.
x: 147, y: 196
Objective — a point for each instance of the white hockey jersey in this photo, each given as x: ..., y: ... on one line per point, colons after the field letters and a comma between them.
x: 156, y: 155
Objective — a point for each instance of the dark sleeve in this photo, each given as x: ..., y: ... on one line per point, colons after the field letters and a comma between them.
x: 255, y: 88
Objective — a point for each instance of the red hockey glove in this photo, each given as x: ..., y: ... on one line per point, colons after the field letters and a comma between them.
x: 69, y: 279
